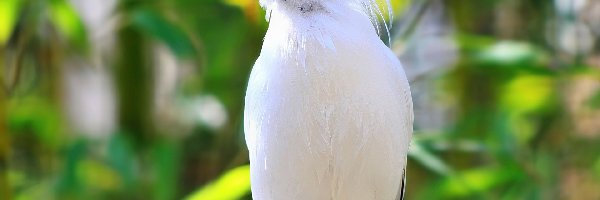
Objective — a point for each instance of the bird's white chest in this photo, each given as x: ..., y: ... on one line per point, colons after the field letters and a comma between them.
x: 336, y: 122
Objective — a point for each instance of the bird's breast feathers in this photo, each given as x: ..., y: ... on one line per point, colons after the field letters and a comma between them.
x: 328, y: 111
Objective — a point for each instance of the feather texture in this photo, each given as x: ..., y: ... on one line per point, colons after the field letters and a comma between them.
x: 371, y: 7
x: 328, y: 108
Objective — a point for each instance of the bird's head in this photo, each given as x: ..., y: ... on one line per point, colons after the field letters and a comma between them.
x: 299, y: 6
x: 319, y: 6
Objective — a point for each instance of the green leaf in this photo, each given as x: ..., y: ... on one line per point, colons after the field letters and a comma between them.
x: 69, y: 184
x: 523, y: 96
x: 160, y: 28
x: 95, y: 174
x: 121, y: 158
x: 66, y: 19
x: 33, y: 115
x: 429, y: 160
x: 166, y: 168
x: 235, y: 184
x: 9, y: 10
x: 475, y: 181
x: 526, y: 93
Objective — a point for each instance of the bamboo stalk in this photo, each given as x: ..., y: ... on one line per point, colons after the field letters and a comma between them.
x: 134, y: 79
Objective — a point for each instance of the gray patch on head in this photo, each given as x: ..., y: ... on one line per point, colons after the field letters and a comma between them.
x: 307, y: 7
x: 304, y: 6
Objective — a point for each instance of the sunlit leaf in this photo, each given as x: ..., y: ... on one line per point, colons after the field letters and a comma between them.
x: 9, y: 10
x: 67, y: 20
x: 522, y: 96
x: 474, y: 181
x: 528, y: 93
x: 234, y: 184
x: 240, y: 3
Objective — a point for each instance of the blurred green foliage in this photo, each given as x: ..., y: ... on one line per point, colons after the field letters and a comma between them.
x: 235, y: 184
x: 523, y: 120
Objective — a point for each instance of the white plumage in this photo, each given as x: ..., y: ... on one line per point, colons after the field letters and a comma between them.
x: 328, y: 108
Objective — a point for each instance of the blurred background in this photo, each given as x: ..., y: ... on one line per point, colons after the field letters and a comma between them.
x: 143, y: 99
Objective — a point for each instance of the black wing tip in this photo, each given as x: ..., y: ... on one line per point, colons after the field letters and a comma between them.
x: 403, y: 186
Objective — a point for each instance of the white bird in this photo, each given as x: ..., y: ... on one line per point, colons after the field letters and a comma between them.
x: 328, y: 111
